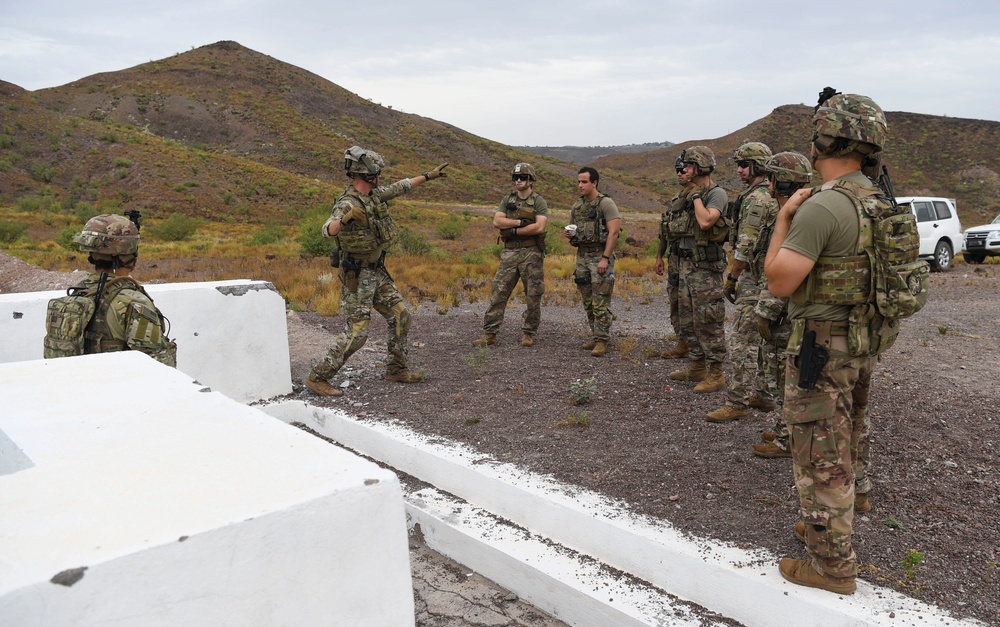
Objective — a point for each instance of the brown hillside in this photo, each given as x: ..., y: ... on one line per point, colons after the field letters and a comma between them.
x: 926, y: 155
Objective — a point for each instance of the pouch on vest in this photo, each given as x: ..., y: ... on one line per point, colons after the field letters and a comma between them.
x: 66, y: 320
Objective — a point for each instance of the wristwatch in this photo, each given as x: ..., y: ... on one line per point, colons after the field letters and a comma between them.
x: 695, y: 197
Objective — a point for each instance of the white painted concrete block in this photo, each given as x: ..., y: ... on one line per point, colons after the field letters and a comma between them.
x: 131, y: 496
x: 231, y: 336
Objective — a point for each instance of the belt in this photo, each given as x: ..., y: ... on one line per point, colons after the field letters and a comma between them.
x: 365, y: 265
x: 589, y: 248
x: 685, y: 253
x: 827, y: 327
x: 520, y: 243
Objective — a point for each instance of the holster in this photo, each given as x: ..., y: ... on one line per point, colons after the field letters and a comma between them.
x: 812, y: 358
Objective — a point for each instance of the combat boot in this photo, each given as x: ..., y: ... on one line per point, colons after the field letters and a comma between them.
x: 714, y: 380
x: 725, y: 413
x: 527, y: 340
x: 800, y: 531
x: 589, y: 345
x: 679, y: 351
x: 861, y: 503
x: 801, y: 572
x: 404, y: 376
x: 487, y: 340
x: 322, y: 388
x: 600, y: 348
x: 770, y: 450
x: 694, y: 372
x: 758, y: 403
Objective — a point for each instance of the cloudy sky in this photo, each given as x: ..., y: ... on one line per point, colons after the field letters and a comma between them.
x: 590, y: 72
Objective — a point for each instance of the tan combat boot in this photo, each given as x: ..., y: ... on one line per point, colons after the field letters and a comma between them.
x: 589, y: 345
x: 527, y: 340
x: 758, y: 403
x: 800, y: 531
x: 770, y: 450
x: 404, y: 376
x: 768, y: 436
x: 600, y: 348
x: 487, y: 340
x: 694, y: 372
x: 715, y: 380
x: 679, y: 351
x: 861, y: 503
x: 801, y: 572
x: 322, y: 388
x: 725, y: 413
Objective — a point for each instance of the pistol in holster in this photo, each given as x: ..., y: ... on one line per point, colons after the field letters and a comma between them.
x: 812, y: 358
x: 674, y: 279
x: 352, y: 270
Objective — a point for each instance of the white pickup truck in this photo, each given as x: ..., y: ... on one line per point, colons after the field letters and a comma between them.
x: 939, y: 227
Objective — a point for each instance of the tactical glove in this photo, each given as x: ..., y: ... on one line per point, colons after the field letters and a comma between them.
x: 764, y: 327
x: 437, y: 172
x: 729, y: 288
x: 356, y: 213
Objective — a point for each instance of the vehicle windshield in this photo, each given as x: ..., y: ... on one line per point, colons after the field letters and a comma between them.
x: 996, y: 220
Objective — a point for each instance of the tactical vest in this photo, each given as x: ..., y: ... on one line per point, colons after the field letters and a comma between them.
x: 374, y: 233
x: 884, y: 280
x: 591, y: 226
x: 736, y: 210
x: 682, y: 223
x: 516, y: 208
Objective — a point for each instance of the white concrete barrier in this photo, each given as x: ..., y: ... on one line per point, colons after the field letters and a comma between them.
x: 231, y: 335
x: 129, y: 495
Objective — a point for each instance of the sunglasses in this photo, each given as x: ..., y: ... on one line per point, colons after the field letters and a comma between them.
x: 743, y: 164
x: 521, y: 177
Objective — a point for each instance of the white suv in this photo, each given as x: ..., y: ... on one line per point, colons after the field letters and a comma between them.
x: 940, y: 229
x: 981, y: 241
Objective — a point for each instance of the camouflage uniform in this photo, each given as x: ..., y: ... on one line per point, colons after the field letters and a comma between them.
x: 701, y: 310
x: 827, y: 424
x: 755, y: 205
x: 591, y: 218
x: 364, y: 242
x: 522, y: 259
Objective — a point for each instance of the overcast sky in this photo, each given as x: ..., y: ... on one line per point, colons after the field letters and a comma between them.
x: 591, y: 72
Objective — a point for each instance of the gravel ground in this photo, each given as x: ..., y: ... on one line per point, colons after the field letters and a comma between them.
x: 642, y: 439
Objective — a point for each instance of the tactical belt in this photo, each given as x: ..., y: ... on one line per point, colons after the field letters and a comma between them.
x: 520, y: 243
x: 827, y: 327
x: 366, y: 265
x: 710, y: 253
x: 591, y: 248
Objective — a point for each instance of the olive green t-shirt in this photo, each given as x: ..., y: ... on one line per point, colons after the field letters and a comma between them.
x: 826, y: 225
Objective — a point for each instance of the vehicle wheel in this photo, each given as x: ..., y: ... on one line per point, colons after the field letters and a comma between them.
x: 942, y: 257
x: 974, y: 257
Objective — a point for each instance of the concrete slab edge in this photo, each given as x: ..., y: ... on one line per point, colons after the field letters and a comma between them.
x: 743, y: 585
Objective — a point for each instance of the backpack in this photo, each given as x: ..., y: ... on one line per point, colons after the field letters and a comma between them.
x: 68, y: 317
x: 899, y: 278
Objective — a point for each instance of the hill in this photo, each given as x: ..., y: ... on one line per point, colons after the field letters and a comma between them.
x: 587, y: 154
x: 926, y: 155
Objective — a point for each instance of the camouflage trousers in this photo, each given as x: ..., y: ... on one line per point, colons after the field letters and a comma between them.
x: 772, y: 370
x: 744, y: 352
x: 826, y: 427
x: 701, y: 310
x: 517, y: 264
x: 375, y: 290
x: 595, y: 290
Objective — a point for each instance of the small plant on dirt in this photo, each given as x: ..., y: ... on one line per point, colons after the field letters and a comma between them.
x: 473, y: 420
x: 892, y: 523
x: 626, y: 345
x: 910, y: 561
x: 582, y: 390
x: 575, y: 419
x: 943, y: 330
x: 477, y: 360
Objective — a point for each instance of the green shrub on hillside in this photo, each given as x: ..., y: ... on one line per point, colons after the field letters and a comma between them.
x: 10, y: 232
x: 177, y: 228
x: 270, y: 234
x: 411, y: 242
x: 65, y: 237
x: 452, y: 228
x: 310, y: 239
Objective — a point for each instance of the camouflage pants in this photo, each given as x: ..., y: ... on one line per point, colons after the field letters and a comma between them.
x: 517, y: 264
x: 595, y: 290
x: 744, y: 351
x: 772, y: 369
x: 825, y: 432
x: 701, y: 310
x: 376, y: 291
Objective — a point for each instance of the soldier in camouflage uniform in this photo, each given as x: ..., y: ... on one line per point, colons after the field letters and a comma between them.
x: 751, y: 208
x: 680, y: 349
x: 598, y: 225
x: 521, y: 220
x: 125, y: 317
x: 814, y: 235
x: 364, y: 229
x: 786, y: 173
x: 697, y: 228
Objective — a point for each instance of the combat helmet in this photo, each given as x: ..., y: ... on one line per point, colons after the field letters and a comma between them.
x: 109, y: 237
x: 701, y: 156
x: 856, y: 120
x: 524, y: 168
x: 754, y: 152
x: 788, y: 171
x: 358, y: 160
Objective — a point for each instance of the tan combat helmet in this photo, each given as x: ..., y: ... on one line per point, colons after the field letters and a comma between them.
x: 109, y: 237
x: 754, y: 152
x: 358, y: 160
x: 788, y: 171
x: 524, y: 168
x: 701, y: 156
x: 852, y: 118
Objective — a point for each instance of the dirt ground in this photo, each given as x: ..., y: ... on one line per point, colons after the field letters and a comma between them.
x: 933, y: 532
